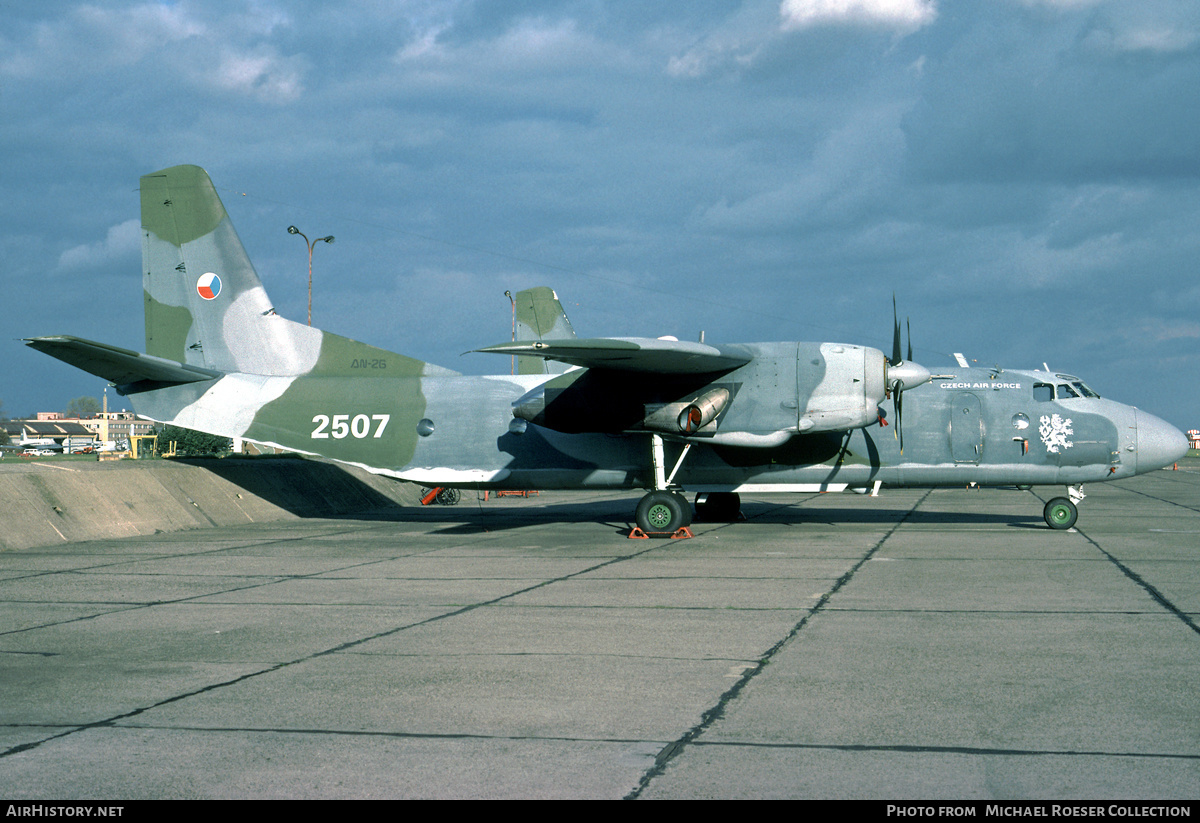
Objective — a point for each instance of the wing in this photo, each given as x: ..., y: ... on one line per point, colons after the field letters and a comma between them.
x: 632, y: 354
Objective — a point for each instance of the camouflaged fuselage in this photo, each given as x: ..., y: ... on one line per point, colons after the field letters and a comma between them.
x: 456, y: 430
x: 755, y: 416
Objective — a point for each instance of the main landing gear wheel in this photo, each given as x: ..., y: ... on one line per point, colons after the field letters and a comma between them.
x: 444, y: 497
x: 663, y: 511
x: 688, y: 512
x: 1060, y: 513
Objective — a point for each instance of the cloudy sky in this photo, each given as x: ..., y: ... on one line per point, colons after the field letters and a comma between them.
x: 1023, y: 174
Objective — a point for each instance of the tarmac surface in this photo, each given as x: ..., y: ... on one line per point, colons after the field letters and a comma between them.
x: 938, y: 644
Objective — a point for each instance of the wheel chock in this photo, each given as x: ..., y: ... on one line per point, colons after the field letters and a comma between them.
x: 682, y: 533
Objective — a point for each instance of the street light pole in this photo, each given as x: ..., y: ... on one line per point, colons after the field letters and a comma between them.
x: 329, y: 239
x: 513, y: 360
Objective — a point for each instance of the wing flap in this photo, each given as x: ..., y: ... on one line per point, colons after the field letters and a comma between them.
x: 121, y: 367
x: 632, y: 354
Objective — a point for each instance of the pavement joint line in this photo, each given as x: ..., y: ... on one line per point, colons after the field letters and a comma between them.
x: 372, y: 733
x: 473, y: 606
x: 1154, y: 593
x: 126, y: 559
x: 717, y: 711
x: 111, y: 721
x: 1151, y: 590
x: 931, y: 749
x: 721, y: 724
x: 1160, y: 499
x: 1081, y: 612
x: 274, y: 580
x: 715, y: 744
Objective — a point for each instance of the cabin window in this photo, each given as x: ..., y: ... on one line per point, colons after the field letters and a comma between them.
x: 1043, y: 392
x: 1065, y: 392
x: 1084, y: 390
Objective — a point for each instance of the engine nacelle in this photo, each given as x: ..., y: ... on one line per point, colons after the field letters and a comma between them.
x: 850, y: 392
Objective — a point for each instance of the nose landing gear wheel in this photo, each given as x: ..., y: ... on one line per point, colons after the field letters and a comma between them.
x: 1060, y: 513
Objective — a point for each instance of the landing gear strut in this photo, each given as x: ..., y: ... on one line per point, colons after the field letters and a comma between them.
x: 663, y: 510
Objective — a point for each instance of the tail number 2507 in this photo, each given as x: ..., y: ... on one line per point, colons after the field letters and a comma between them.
x: 344, y: 425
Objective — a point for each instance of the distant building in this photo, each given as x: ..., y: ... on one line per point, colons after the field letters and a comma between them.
x: 121, y: 425
x: 1194, y: 438
x: 77, y: 431
x: 63, y: 432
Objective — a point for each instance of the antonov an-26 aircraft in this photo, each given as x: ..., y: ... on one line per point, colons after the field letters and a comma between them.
x: 655, y: 414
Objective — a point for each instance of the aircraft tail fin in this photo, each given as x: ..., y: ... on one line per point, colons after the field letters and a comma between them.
x: 204, y: 303
x: 540, y: 316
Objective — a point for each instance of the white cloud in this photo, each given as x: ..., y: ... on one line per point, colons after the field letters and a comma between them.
x: 534, y: 39
x: 90, y: 38
x: 263, y: 75
x: 834, y: 185
x: 1151, y: 26
x: 1164, y: 330
x: 903, y: 15
x: 1062, y: 4
x: 423, y: 47
x: 565, y: 133
x: 122, y: 240
x: 715, y: 54
x: 93, y: 42
x: 1163, y: 40
x: 530, y: 44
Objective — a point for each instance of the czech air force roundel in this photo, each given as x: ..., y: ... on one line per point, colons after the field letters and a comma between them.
x: 208, y: 286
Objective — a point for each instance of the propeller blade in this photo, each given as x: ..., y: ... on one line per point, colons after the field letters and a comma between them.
x: 908, y: 325
x: 895, y: 334
x: 900, y: 419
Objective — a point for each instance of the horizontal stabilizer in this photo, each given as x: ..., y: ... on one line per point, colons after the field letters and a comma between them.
x: 633, y: 354
x: 120, y: 367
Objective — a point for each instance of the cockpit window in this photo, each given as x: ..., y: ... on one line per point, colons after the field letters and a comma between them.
x: 1084, y: 390
x: 1043, y: 392
x: 1065, y: 391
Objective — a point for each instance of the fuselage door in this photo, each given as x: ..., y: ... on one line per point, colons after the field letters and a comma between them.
x: 966, y: 428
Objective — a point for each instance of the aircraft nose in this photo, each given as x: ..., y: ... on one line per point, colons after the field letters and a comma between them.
x: 1158, y: 442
